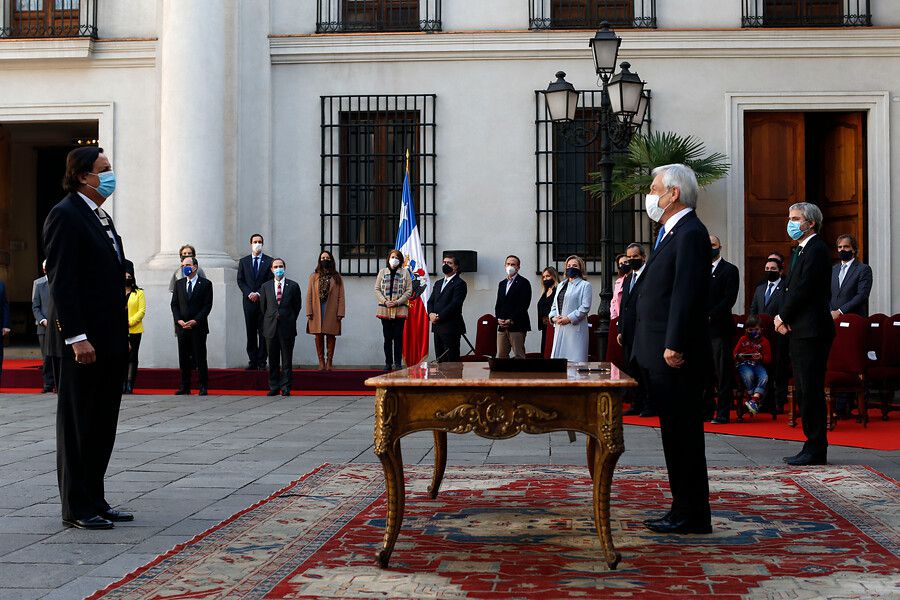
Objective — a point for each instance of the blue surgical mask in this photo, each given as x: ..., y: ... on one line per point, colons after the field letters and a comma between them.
x: 279, y: 272
x: 187, y: 271
x: 107, y: 183
x: 793, y: 230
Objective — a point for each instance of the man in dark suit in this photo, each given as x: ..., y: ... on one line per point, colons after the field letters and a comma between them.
x: 806, y: 316
x: 40, y: 308
x: 85, y: 271
x: 4, y: 322
x: 445, y: 311
x: 723, y: 290
x: 767, y: 299
x: 280, y: 305
x: 851, y: 281
x: 511, y: 310
x: 191, y: 304
x: 672, y: 345
x: 254, y: 270
x: 636, y: 256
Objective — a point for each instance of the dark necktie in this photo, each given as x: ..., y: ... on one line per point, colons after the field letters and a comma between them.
x: 278, y: 292
x: 795, y: 254
x: 190, y: 288
x: 106, y: 222
x: 769, y: 292
x: 255, y: 266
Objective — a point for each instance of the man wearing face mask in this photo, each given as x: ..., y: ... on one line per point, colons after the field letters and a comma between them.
x: 40, y: 307
x: 280, y: 305
x: 767, y: 299
x: 723, y: 290
x: 254, y: 270
x: 671, y: 343
x: 851, y: 281
x: 445, y: 311
x: 85, y: 270
x: 636, y: 257
x: 191, y: 304
x: 805, y: 314
x: 511, y: 310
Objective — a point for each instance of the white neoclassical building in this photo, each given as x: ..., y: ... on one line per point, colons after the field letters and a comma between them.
x: 290, y: 118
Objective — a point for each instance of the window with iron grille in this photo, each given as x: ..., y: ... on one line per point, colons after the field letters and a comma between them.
x: 378, y: 15
x: 569, y: 220
x: 48, y: 18
x: 589, y: 14
x: 364, y: 145
x: 806, y: 13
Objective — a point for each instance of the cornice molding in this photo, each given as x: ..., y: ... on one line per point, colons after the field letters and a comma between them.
x: 526, y: 45
x: 77, y: 53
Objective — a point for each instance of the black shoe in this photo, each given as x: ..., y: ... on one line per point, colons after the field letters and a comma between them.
x: 388, y: 368
x: 633, y: 411
x: 250, y: 367
x: 94, y: 522
x: 272, y: 393
x: 806, y: 459
x: 129, y: 388
x: 648, y: 413
x: 46, y: 390
x: 285, y: 392
x: 718, y: 421
x: 182, y: 391
x: 680, y: 526
x: 116, y: 516
x: 261, y: 367
x: 398, y: 367
x: 665, y: 517
x: 203, y: 391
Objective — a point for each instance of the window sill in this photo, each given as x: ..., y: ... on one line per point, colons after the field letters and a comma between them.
x: 45, y: 48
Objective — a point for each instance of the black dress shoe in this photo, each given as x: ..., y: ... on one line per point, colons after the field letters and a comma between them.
x: 795, y: 456
x: 807, y: 458
x: 718, y: 421
x: 46, y: 390
x: 665, y: 517
x: 183, y: 392
x: 116, y: 516
x: 250, y: 367
x: 285, y: 392
x: 94, y: 522
x: 648, y: 413
x: 680, y: 526
x: 203, y: 391
x: 272, y: 393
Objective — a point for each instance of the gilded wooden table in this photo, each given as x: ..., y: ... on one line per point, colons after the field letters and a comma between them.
x: 464, y: 397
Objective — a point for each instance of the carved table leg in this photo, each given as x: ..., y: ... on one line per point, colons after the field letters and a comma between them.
x: 392, y: 462
x: 440, y: 462
x: 591, y: 454
x: 604, y: 465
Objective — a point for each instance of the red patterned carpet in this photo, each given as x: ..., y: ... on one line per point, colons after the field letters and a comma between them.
x: 526, y: 532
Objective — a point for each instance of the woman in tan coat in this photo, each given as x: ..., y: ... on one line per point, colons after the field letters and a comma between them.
x: 325, y: 308
x: 393, y: 286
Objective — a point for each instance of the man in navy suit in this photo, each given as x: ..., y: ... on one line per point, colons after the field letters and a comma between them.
x: 192, y: 301
x: 280, y: 304
x: 672, y: 346
x: 851, y: 281
x: 806, y: 316
x: 767, y: 299
x: 511, y: 310
x: 254, y: 270
x: 445, y: 311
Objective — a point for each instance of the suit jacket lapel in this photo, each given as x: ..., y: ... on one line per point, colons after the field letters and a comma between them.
x: 94, y: 223
x: 667, y: 238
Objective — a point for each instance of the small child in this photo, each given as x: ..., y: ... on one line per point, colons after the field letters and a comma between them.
x: 751, y: 353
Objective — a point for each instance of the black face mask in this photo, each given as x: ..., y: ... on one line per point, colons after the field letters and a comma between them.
x: 446, y: 269
x: 773, y: 275
x: 326, y: 264
x: 625, y: 269
x: 573, y: 272
x: 716, y: 252
x: 636, y: 263
x: 548, y: 283
x: 845, y: 255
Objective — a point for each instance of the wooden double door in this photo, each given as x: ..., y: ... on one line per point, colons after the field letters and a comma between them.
x: 817, y: 157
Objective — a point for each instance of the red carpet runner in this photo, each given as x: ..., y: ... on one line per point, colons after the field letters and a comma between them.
x: 504, y: 532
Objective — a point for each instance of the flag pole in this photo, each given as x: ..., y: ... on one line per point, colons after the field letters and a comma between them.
x: 407, y: 160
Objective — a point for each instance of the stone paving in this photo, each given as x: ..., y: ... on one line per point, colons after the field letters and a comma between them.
x: 183, y: 465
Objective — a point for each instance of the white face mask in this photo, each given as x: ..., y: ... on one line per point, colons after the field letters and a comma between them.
x: 511, y: 270
x: 651, y: 204
x: 256, y: 247
x: 394, y: 262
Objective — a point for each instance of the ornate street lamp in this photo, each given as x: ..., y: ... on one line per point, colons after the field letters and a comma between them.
x: 623, y: 107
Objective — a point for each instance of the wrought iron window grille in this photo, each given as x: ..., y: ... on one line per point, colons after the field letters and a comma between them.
x: 343, y: 16
x: 568, y: 218
x: 48, y: 18
x: 589, y: 14
x: 806, y: 13
x: 364, y: 144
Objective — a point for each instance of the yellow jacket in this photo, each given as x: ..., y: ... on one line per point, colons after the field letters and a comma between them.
x: 137, y: 307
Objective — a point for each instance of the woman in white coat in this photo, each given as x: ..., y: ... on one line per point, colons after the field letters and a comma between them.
x: 569, y: 313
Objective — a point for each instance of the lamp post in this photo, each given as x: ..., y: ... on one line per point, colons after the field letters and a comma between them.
x: 623, y: 106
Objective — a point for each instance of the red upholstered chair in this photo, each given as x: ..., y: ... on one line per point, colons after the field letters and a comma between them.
x: 614, y: 352
x: 883, y: 374
x: 485, y: 339
x: 593, y: 326
x: 548, y: 341
x: 846, y: 367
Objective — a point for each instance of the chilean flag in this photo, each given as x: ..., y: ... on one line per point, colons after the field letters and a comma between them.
x: 415, y: 334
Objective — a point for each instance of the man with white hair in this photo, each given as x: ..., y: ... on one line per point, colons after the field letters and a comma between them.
x: 672, y: 345
x: 806, y: 315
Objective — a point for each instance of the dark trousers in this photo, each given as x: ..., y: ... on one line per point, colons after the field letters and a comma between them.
x: 639, y: 399
x: 722, y: 377
x: 677, y: 394
x: 256, y: 342
x: 47, y: 368
x: 134, y: 340
x: 393, y: 341
x: 810, y: 357
x: 446, y: 346
x: 192, y: 351
x: 281, y: 357
x: 86, y: 418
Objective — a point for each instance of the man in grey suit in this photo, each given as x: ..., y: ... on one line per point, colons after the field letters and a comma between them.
x: 851, y: 281
x: 40, y: 307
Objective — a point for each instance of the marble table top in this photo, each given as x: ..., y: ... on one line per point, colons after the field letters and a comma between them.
x: 477, y: 374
